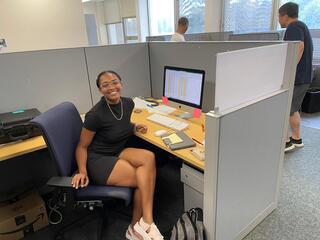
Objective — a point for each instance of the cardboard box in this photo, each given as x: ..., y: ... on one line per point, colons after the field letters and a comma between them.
x: 22, y: 217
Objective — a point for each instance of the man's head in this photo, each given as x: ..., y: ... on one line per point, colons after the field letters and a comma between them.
x: 288, y: 12
x: 183, y: 24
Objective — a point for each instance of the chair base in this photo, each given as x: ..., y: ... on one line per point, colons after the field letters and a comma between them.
x: 81, y: 221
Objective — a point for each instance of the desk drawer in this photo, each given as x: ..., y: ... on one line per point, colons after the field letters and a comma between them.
x: 192, y: 177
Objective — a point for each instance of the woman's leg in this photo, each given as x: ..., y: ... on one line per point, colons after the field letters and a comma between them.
x: 143, y: 162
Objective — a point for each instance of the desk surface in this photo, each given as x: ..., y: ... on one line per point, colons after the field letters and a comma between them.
x: 15, y: 149
x: 194, y: 130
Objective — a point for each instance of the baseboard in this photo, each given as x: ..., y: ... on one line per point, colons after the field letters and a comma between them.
x: 244, y: 232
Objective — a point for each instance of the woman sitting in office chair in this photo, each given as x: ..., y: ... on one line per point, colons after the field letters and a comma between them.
x: 102, y: 154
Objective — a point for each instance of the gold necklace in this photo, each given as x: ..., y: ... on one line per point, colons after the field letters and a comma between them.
x: 113, y: 113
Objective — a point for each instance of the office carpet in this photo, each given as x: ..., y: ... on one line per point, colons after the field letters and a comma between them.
x: 310, y: 120
x: 298, y: 214
x: 296, y: 218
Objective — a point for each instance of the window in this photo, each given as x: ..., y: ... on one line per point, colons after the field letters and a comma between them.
x: 309, y: 12
x: 130, y: 30
x: 247, y: 15
x: 161, y: 17
x: 194, y: 10
x: 115, y: 33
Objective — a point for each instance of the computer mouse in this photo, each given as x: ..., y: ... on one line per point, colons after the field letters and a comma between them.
x: 160, y: 133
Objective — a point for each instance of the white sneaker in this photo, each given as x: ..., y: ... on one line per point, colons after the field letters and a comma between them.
x: 132, y: 235
x: 148, y: 232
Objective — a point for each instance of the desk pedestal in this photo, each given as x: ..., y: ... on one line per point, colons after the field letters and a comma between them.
x: 193, y: 187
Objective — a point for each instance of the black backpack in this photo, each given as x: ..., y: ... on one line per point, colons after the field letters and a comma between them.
x: 189, y: 226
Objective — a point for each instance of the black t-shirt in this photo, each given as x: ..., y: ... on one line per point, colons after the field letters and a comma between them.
x: 298, y: 31
x: 111, y: 134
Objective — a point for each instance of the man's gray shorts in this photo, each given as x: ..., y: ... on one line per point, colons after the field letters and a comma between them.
x: 299, y: 92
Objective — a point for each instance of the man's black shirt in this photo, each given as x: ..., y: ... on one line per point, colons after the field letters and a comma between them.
x: 298, y: 31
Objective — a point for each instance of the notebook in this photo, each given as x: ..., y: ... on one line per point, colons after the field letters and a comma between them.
x: 178, y: 140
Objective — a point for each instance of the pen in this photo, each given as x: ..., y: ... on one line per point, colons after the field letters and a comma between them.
x: 197, y: 141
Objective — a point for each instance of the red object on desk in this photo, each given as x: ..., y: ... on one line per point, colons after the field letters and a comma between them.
x: 196, y: 113
x: 165, y: 100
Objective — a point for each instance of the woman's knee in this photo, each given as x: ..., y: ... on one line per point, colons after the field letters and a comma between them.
x: 149, y: 159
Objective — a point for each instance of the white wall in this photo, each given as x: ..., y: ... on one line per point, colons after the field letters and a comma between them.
x: 42, y: 24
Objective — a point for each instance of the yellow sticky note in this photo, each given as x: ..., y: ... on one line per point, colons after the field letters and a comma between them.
x: 174, y: 138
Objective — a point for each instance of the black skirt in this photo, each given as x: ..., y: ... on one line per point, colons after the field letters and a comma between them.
x: 100, y: 167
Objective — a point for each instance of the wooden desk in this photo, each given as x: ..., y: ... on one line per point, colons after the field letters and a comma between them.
x: 15, y: 149
x: 194, y: 130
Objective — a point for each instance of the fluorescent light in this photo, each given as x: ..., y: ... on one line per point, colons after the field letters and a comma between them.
x: 85, y: 1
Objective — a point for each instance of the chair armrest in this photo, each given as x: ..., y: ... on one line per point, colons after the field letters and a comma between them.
x: 60, y: 182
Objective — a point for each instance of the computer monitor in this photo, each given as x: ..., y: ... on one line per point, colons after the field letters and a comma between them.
x: 183, y: 87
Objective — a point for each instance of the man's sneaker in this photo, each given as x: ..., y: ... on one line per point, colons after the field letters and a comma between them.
x: 132, y: 235
x: 297, y: 142
x: 148, y: 232
x: 289, y: 146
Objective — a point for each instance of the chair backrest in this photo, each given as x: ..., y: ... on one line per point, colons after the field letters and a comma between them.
x: 61, y: 127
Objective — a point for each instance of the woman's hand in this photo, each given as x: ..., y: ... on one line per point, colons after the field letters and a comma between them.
x: 80, y: 179
x: 141, y: 128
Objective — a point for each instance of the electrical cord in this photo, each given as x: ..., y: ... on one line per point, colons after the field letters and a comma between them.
x: 54, y: 210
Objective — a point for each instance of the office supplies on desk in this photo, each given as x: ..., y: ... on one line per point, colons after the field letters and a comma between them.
x: 178, y: 140
x: 140, y: 103
x: 197, y: 141
x: 172, y: 139
x: 168, y: 122
x: 152, y: 102
x: 198, y: 152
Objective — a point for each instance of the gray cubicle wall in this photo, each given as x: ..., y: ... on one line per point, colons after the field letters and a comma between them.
x: 42, y: 79
x: 244, y: 165
x: 196, y: 55
x: 130, y: 61
x: 208, y: 36
x: 262, y: 36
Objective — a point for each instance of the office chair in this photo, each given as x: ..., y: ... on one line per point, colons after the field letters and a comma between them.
x: 61, y: 127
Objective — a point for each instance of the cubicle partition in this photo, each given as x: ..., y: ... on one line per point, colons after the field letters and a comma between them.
x: 315, y: 34
x: 41, y: 79
x: 262, y: 36
x: 245, y: 136
x: 197, y: 55
x: 208, y: 36
x: 131, y: 61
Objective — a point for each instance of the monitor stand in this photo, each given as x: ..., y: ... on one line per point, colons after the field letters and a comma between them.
x: 185, y: 115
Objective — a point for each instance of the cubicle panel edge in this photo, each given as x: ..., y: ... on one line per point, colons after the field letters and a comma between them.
x: 250, y: 145
x: 42, y: 79
x: 130, y: 61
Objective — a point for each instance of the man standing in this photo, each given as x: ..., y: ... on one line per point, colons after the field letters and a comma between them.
x: 183, y: 24
x: 297, y: 31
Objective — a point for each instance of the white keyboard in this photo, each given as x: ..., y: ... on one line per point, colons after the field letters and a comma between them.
x: 168, y: 122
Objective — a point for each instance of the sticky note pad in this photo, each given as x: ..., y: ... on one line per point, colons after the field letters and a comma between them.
x: 196, y: 113
x: 174, y: 138
x: 165, y: 100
